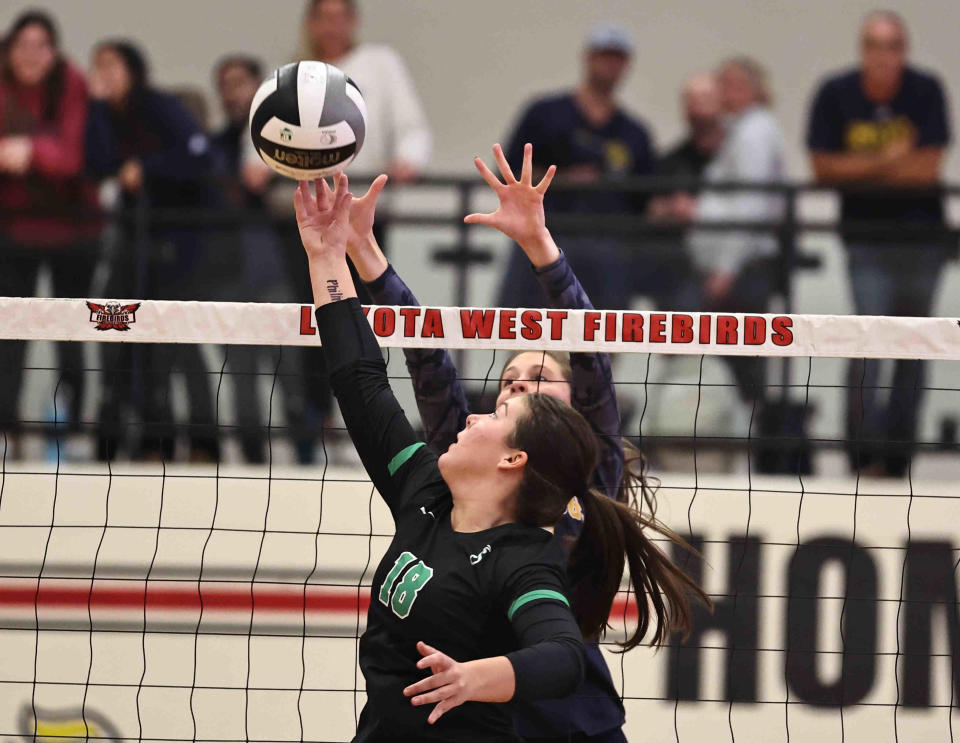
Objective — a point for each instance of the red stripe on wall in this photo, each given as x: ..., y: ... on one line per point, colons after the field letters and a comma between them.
x: 214, y: 598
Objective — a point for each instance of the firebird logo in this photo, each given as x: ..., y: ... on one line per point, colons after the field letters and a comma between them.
x: 113, y: 315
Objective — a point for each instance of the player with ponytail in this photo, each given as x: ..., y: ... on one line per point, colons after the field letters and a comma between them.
x: 584, y: 380
x: 471, y: 603
x: 561, y: 455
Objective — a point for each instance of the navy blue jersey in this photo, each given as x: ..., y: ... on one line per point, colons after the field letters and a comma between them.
x: 500, y: 591
x: 561, y: 135
x: 842, y: 119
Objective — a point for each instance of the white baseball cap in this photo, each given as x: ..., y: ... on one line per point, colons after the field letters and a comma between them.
x: 610, y: 38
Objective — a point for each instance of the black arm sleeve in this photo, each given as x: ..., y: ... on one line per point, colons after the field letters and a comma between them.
x: 550, y: 662
x: 377, y: 424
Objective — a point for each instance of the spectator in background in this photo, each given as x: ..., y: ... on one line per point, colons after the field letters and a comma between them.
x: 397, y: 142
x: 687, y: 161
x: 590, y: 138
x: 46, y: 209
x: 398, y: 139
x: 885, y: 122
x: 703, y: 112
x: 253, y: 270
x: 160, y: 157
x: 737, y: 268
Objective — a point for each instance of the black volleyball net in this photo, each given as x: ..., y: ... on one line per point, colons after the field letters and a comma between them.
x: 186, y: 554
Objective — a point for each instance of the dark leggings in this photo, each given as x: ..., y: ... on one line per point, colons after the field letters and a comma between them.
x: 71, y: 273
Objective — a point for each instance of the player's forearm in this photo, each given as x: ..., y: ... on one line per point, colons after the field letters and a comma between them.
x: 491, y: 679
x: 373, y: 417
x: 550, y: 669
x: 440, y: 395
x: 593, y: 394
x: 541, y: 248
x: 330, y: 279
x: 368, y: 259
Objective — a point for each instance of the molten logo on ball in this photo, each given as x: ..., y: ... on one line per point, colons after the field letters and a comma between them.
x: 307, y: 160
x: 308, y: 120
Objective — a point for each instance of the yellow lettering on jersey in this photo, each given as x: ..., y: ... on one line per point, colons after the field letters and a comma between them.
x: 872, y: 136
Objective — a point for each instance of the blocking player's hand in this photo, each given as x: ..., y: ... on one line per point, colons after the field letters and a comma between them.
x: 362, y: 212
x: 448, y: 687
x: 324, y: 218
x: 520, y: 214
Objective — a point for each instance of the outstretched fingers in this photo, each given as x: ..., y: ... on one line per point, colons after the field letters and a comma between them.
x: 342, y: 197
x: 324, y: 198
x: 480, y: 218
x: 439, y: 710
x: 437, y: 695
x: 303, y: 201
x: 487, y: 175
x: 432, y: 658
x: 526, y: 171
x: 505, y: 170
x: 430, y: 683
x: 376, y: 187
x: 547, y: 179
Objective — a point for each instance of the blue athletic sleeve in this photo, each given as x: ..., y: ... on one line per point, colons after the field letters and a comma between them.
x: 387, y: 445
x: 593, y: 391
x: 440, y: 395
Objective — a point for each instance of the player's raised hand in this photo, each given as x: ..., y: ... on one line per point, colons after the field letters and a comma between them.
x: 363, y: 210
x: 520, y: 214
x: 324, y: 218
x: 361, y: 245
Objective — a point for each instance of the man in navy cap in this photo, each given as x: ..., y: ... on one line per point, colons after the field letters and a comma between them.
x: 590, y: 138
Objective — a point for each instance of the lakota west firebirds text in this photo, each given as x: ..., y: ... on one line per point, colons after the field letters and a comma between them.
x: 625, y: 327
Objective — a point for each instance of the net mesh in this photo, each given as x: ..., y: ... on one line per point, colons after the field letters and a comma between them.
x: 151, y: 599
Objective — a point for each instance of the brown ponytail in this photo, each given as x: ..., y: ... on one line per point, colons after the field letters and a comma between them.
x: 562, y: 452
x: 661, y: 589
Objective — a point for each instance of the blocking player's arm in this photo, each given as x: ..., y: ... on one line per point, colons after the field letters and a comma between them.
x: 440, y: 396
x: 591, y: 384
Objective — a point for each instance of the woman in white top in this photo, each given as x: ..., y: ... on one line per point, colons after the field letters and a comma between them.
x: 398, y: 140
x: 737, y: 268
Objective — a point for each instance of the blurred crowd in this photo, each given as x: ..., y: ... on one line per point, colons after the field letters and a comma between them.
x: 73, y: 142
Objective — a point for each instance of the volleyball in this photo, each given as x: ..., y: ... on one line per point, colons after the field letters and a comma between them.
x: 308, y: 120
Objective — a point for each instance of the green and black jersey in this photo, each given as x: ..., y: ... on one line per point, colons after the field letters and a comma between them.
x: 500, y: 591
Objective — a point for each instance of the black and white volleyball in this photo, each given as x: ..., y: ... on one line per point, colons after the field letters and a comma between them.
x: 308, y: 120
